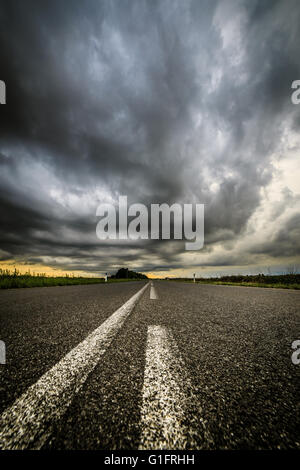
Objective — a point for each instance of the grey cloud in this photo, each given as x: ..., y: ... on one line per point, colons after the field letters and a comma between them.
x: 286, y: 242
x: 106, y: 95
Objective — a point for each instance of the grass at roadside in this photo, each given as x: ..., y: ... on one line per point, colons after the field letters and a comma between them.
x: 14, y: 279
x: 283, y: 281
x: 252, y: 284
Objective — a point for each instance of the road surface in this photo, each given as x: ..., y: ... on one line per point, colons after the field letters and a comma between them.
x: 137, y: 365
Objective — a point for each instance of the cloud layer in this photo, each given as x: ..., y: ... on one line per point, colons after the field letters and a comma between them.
x: 163, y: 101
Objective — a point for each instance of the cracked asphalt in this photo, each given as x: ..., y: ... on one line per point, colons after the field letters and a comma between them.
x: 235, y: 349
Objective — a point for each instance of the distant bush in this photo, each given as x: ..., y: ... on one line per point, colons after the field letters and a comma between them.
x: 125, y: 273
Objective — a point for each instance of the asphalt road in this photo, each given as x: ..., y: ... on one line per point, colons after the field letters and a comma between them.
x: 183, y: 367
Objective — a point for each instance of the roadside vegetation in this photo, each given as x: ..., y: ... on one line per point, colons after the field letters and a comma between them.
x: 14, y: 279
x: 283, y: 281
x: 125, y: 273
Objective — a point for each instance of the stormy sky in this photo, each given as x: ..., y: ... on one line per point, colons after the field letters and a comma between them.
x: 163, y: 101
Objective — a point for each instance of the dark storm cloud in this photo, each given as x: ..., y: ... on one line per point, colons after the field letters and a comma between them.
x: 165, y: 101
x: 286, y: 242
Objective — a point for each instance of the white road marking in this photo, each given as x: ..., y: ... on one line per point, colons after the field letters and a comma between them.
x: 164, y: 397
x: 153, y: 294
x: 29, y: 421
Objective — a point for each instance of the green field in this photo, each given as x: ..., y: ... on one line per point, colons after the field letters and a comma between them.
x: 253, y: 284
x: 14, y: 279
x: 281, y: 281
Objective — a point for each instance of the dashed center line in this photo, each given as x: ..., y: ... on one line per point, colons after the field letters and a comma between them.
x: 153, y: 294
x: 164, y: 397
x: 28, y: 423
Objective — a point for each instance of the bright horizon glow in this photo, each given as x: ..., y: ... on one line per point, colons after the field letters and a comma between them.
x: 204, y: 272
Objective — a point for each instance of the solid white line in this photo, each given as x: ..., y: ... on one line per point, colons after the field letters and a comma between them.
x: 28, y: 422
x: 164, y: 397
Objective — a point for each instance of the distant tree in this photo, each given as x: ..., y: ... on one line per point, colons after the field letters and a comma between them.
x: 125, y: 273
